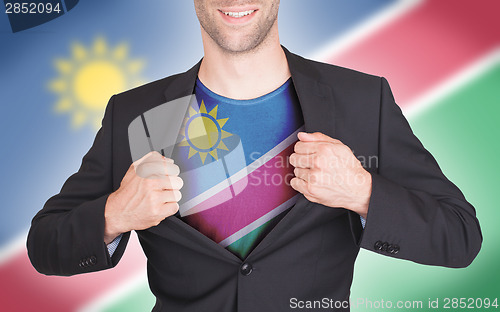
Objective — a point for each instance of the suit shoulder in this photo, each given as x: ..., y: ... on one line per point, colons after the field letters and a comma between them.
x: 338, y: 74
x: 148, y: 90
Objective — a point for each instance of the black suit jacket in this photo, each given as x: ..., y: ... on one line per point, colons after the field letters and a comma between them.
x: 415, y: 212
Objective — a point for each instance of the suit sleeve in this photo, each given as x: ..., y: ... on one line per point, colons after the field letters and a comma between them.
x: 415, y: 212
x: 67, y: 236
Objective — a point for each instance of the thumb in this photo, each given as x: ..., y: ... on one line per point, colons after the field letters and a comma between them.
x: 316, y: 137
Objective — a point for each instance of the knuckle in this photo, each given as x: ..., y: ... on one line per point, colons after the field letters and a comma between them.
x: 313, y: 177
x: 311, y: 190
x: 177, y: 195
x: 173, y: 169
x: 181, y: 182
x: 323, y: 148
x: 317, y: 161
x: 297, y: 147
x: 176, y: 182
x: 172, y: 208
x: 292, y: 159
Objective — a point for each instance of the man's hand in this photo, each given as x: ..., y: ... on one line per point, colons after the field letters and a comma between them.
x: 148, y: 193
x: 327, y: 172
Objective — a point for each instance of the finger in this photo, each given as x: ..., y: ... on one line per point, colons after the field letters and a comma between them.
x: 157, y: 157
x: 301, y: 186
x: 152, y: 156
x: 157, y: 169
x: 302, y: 161
x: 316, y: 137
x: 171, y: 208
x: 171, y: 183
x: 302, y: 147
x: 301, y: 173
x: 171, y: 196
x: 143, y: 158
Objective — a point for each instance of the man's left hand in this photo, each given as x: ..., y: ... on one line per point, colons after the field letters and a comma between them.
x: 327, y: 172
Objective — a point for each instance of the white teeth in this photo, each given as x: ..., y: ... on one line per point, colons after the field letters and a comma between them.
x: 239, y: 14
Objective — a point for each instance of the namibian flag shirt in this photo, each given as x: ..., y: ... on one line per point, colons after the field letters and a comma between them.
x: 234, y: 159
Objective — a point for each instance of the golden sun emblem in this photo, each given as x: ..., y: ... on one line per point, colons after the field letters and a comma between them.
x: 203, y: 133
x: 90, y: 77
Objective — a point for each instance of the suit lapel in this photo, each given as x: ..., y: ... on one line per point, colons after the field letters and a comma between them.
x: 318, y: 110
x: 183, y: 84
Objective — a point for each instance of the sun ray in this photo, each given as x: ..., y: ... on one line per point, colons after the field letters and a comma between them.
x: 213, y: 112
x: 203, y: 156
x: 135, y: 66
x: 63, y: 105
x: 213, y: 153
x: 222, y: 146
x: 222, y: 122
x: 226, y: 134
x: 121, y: 52
x: 79, y: 52
x: 64, y: 66
x: 192, y: 152
x: 203, y: 109
x: 78, y: 119
x: 100, y: 47
x: 58, y: 85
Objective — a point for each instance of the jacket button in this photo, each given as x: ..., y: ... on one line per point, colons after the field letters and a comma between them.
x: 396, y: 249
x: 93, y: 260
x: 246, y: 269
x: 384, y: 246
x: 390, y: 248
x: 378, y: 245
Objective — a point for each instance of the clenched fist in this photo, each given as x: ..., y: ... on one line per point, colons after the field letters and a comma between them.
x: 148, y: 193
x: 327, y: 172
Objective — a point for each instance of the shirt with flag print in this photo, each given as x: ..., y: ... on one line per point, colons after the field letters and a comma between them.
x: 234, y: 159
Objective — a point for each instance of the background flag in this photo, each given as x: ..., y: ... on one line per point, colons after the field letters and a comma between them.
x: 442, y: 58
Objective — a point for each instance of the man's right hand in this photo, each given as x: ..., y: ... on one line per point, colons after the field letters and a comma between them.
x: 148, y: 193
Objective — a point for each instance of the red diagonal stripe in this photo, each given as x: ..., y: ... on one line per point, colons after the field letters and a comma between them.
x: 24, y: 289
x: 427, y: 45
x: 262, y: 191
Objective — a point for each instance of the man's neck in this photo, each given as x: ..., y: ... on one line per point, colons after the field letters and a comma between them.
x: 244, y: 75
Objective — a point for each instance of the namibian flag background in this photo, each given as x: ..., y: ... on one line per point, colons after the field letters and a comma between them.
x: 442, y: 58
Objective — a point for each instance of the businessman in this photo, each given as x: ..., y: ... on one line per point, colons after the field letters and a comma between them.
x: 217, y: 236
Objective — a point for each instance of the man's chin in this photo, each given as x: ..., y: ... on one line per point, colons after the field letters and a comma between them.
x: 240, y: 45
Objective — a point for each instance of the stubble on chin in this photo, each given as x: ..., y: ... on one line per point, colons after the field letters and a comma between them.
x: 246, y: 44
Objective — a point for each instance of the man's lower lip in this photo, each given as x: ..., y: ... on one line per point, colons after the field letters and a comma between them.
x: 237, y: 20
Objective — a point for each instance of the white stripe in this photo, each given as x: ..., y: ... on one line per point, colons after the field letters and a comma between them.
x: 118, y: 292
x: 239, y: 175
x: 365, y: 29
x: 13, y: 248
x: 132, y: 284
x: 457, y: 80
x: 260, y: 221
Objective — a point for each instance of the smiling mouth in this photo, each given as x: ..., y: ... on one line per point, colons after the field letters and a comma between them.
x: 239, y: 14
